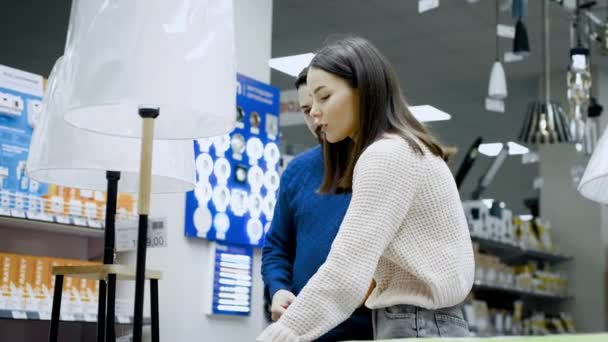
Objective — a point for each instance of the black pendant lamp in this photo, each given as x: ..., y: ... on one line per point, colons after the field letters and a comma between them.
x: 521, y: 45
x: 545, y: 121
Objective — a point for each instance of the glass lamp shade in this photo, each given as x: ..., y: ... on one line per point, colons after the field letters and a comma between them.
x: 64, y: 155
x: 174, y: 55
x: 497, y: 88
x: 594, y: 184
x: 545, y: 123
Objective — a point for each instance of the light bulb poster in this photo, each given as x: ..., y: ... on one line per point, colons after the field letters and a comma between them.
x: 21, y: 96
x: 238, y: 173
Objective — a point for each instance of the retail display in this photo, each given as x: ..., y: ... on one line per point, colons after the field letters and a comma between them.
x: 527, y: 278
x: 498, y: 224
x: 514, y: 261
x: 486, y: 321
x: 21, y: 195
x: 238, y: 173
x: 26, y: 284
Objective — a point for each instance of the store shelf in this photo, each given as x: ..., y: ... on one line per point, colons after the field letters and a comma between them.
x: 76, y: 318
x: 514, y: 254
x: 50, y: 227
x: 480, y: 286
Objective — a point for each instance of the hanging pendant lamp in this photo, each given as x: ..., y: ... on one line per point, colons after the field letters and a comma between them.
x: 545, y: 121
x: 521, y: 44
x: 497, y: 87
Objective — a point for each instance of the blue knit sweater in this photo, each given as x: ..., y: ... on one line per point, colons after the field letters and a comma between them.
x: 303, y: 228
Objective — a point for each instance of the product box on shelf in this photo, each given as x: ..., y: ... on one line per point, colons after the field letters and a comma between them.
x: 507, y: 228
x: 477, y: 214
x: 6, y: 265
x: 26, y: 279
x: 13, y: 293
x: 26, y: 283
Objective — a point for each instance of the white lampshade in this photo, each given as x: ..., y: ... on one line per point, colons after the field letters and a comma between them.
x: 497, y: 88
x: 594, y: 184
x: 64, y: 155
x: 176, y: 55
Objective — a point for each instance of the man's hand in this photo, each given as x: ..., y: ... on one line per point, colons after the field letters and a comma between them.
x: 280, y: 302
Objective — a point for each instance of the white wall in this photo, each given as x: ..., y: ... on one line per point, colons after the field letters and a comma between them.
x: 184, y: 263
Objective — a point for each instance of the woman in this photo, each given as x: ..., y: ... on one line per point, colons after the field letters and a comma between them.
x: 405, y: 227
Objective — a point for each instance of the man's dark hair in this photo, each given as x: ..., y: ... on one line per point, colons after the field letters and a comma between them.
x: 301, y: 80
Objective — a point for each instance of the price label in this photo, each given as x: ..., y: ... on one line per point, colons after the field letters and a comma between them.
x: 45, y: 316
x: 94, y: 224
x: 17, y: 213
x: 80, y: 222
x: 19, y: 314
x: 67, y: 317
x: 126, y: 234
x: 62, y: 219
x: 90, y: 318
x: 123, y: 319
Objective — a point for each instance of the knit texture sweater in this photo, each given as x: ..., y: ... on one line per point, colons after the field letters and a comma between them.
x: 405, y: 228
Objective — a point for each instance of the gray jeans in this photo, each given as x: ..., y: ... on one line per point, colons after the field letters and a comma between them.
x: 402, y: 321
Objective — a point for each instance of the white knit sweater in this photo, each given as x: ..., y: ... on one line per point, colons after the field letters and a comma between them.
x: 405, y: 228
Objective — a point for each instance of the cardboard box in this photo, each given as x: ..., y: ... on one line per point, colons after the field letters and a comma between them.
x: 477, y: 214
x: 27, y: 286
x: 4, y: 279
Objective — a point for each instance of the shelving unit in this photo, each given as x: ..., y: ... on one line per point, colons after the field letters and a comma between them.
x: 50, y: 227
x: 480, y: 286
x: 513, y: 254
x: 75, y: 318
x: 58, y: 237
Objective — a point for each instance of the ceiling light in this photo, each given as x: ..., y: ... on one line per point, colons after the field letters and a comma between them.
x: 428, y: 113
x: 291, y: 65
x: 493, y: 149
x: 516, y: 149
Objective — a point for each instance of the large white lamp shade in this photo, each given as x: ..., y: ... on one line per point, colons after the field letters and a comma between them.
x: 176, y: 55
x: 594, y: 184
x: 64, y: 155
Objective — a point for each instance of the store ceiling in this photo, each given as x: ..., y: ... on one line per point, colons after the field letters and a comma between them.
x: 437, y: 53
x: 443, y: 57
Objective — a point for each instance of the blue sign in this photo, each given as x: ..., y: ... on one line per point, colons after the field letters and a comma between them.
x: 232, y: 280
x: 238, y: 173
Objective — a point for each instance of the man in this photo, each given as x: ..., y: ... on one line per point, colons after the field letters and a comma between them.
x: 303, y: 228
